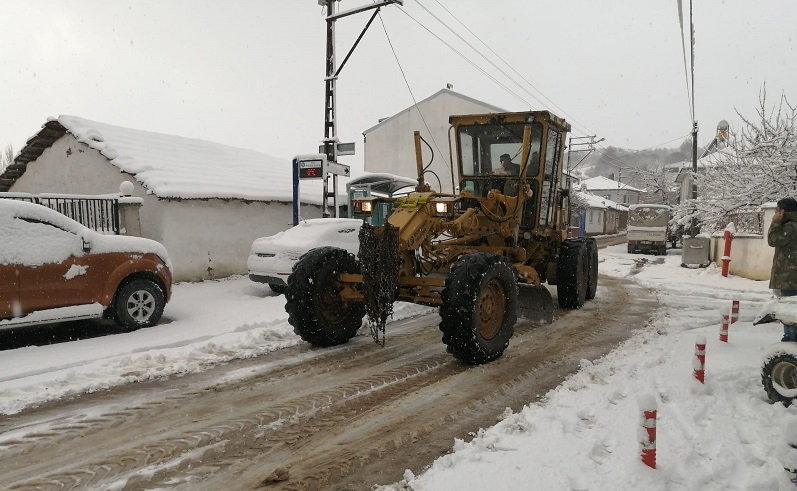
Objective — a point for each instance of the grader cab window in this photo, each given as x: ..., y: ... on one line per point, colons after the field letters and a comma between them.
x: 481, y: 148
x: 550, y: 177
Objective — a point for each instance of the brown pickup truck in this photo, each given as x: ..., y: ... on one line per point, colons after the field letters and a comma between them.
x: 54, y: 269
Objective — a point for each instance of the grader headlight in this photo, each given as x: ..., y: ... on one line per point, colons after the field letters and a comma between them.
x: 362, y: 207
x: 443, y: 207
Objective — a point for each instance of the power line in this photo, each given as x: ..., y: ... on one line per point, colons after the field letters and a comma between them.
x: 503, y: 61
x: 471, y: 62
x: 487, y: 74
x: 477, y: 51
x: 407, y: 83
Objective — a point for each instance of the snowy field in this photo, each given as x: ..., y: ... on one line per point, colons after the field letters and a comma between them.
x: 584, y: 435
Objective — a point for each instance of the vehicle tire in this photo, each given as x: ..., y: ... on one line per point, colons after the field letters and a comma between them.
x: 138, y: 303
x: 479, y: 309
x: 630, y: 249
x: 592, y: 271
x: 571, y: 274
x: 780, y: 370
x: 277, y: 288
x: 312, y: 298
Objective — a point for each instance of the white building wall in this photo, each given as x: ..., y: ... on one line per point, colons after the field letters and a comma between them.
x: 390, y: 146
x: 212, y: 238
x: 70, y: 167
x: 594, y: 225
x: 751, y: 256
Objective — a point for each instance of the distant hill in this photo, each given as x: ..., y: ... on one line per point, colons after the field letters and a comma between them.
x: 613, y: 161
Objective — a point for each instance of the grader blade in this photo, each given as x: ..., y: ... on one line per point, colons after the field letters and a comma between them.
x: 535, y: 304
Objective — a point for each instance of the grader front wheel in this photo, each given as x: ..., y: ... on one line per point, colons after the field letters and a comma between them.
x: 312, y: 300
x: 478, y: 313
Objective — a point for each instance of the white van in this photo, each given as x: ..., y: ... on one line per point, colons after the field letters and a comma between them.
x: 648, y: 230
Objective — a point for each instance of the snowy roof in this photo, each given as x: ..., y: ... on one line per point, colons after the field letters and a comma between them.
x: 593, y: 201
x: 600, y: 183
x: 434, y: 96
x: 382, y: 182
x: 172, y: 166
x: 710, y: 160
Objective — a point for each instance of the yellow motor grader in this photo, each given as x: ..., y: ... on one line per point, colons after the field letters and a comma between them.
x: 482, y: 256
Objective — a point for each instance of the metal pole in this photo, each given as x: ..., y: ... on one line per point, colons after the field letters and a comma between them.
x: 330, y: 130
x: 693, y: 231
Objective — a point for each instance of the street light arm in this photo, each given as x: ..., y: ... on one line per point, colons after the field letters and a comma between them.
x: 357, y: 10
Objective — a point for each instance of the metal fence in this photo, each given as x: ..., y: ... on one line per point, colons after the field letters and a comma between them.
x: 748, y: 222
x: 97, y: 213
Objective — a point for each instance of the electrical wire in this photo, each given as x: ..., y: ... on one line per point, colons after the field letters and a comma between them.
x: 570, y: 117
x: 503, y: 72
x: 471, y: 62
x: 407, y: 83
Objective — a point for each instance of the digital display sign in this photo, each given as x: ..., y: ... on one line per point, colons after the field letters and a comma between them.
x: 311, y: 169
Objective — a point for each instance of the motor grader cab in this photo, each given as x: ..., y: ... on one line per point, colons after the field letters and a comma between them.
x: 482, y: 255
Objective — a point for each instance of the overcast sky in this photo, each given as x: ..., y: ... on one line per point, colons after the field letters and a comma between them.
x: 250, y: 73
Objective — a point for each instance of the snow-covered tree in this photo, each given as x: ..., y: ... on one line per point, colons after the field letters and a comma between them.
x: 759, y: 165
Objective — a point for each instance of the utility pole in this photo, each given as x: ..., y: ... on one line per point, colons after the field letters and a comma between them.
x: 590, y: 148
x: 331, y: 146
x: 693, y: 228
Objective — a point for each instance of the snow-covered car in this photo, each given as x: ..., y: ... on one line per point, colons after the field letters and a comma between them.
x: 272, y: 258
x: 54, y: 269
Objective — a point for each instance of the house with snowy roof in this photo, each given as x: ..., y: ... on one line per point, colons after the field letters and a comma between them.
x: 595, y: 215
x: 390, y: 144
x: 621, y: 193
x: 204, y: 201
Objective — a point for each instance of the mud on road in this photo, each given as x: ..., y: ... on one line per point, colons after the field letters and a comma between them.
x: 343, y: 418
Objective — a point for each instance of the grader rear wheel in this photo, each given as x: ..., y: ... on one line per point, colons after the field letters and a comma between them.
x: 571, y: 274
x: 479, y: 307
x: 312, y: 299
x: 592, y: 270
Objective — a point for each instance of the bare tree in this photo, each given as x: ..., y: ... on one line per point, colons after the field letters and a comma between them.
x: 658, y: 180
x: 760, y: 165
x: 6, y: 157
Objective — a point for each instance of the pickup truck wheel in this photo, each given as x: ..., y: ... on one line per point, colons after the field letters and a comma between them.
x: 312, y: 299
x: 139, y: 303
x: 479, y: 309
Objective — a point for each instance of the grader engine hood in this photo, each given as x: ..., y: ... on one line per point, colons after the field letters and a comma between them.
x: 413, y: 218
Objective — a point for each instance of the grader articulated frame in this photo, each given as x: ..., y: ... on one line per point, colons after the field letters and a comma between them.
x: 482, y: 255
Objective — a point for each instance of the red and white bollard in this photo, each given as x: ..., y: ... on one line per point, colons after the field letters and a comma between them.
x: 699, y: 362
x: 727, y: 319
x: 726, y: 257
x: 648, y: 432
x: 724, y: 328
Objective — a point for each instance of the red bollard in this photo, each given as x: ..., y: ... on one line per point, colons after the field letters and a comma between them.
x: 734, y: 311
x: 724, y: 328
x: 699, y: 362
x: 726, y: 257
x: 648, y: 435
